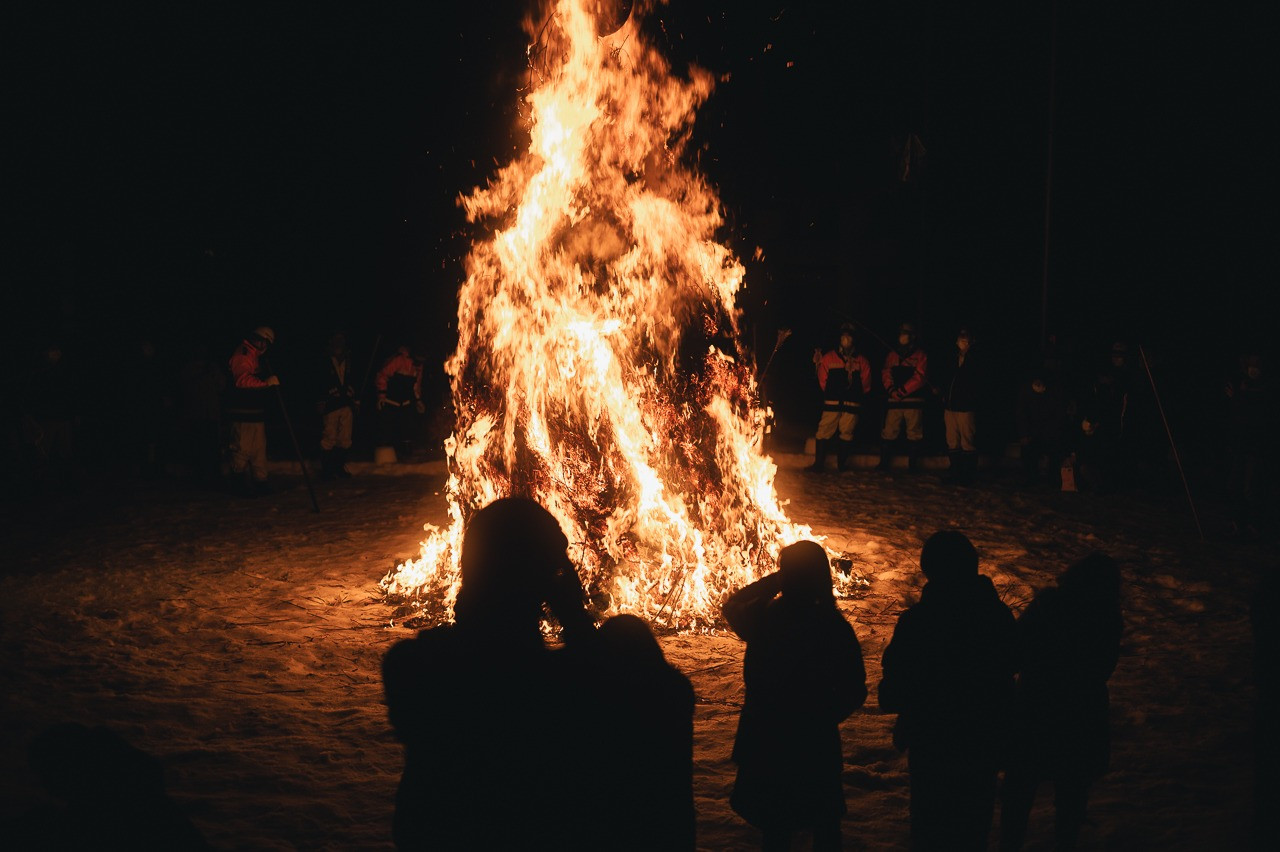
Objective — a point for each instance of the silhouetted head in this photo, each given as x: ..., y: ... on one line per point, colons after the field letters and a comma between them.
x: 1094, y: 578
x: 806, y: 573
x: 511, y: 553
x: 948, y: 555
x: 629, y: 639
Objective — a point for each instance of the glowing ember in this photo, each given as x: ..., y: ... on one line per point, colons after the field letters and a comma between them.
x: 598, y: 368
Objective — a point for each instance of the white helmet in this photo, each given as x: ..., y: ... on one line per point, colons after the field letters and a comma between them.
x: 265, y: 333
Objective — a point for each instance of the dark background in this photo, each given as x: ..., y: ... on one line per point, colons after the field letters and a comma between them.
x: 183, y: 173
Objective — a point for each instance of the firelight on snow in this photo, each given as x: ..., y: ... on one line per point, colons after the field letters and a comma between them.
x: 598, y: 368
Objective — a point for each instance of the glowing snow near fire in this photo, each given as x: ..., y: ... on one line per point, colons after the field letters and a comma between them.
x: 598, y: 368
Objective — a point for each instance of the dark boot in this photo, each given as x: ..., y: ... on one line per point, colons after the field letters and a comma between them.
x: 954, y: 465
x: 328, y: 464
x: 844, y: 455
x: 340, y: 463
x: 914, y: 451
x: 968, y: 467
x: 819, y: 456
x: 886, y: 457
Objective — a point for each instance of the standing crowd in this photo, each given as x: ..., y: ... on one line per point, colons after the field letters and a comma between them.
x: 989, y: 706
x: 1095, y: 424
x: 210, y: 419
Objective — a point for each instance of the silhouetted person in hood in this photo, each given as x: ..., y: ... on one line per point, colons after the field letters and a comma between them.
x: 644, y: 731
x: 1070, y: 643
x: 490, y: 715
x: 804, y: 675
x: 112, y: 794
x: 948, y: 674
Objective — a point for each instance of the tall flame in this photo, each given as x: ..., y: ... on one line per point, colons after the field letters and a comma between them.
x: 598, y: 368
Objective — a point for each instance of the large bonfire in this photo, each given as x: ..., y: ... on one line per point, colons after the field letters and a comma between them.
x: 598, y: 368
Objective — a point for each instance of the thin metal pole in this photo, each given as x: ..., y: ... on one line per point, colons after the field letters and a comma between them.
x: 1048, y: 178
x: 1172, y: 445
x: 297, y: 448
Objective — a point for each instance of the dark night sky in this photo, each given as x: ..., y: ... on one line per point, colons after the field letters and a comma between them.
x: 191, y: 171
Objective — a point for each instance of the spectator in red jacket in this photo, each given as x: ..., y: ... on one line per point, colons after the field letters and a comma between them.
x: 844, y: 375
x: 247, y: 410
x: 905, y: 377
x: 400, y: 405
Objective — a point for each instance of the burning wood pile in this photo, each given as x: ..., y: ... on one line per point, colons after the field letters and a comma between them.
x: 598, y: 368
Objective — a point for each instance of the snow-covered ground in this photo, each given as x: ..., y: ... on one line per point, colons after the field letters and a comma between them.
x: 239, y: 642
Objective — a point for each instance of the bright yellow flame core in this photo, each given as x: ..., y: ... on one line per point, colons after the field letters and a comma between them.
x: 569, y: 381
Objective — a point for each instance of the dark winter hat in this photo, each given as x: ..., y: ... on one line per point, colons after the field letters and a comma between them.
x: 1095, y: 576
x: 948, y: 555
x: 805, y: 570
x: 511, y: 551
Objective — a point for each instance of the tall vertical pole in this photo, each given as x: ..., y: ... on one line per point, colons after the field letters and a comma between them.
x: 1048, y: 176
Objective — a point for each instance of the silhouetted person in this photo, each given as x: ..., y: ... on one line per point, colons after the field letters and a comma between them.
x: 1069, y: 636
x: 905, y: 379
x: 51, y: 407
x: 201, y: 386
x: 645, y: 734
x: 1266, y: 659
x: 1252, y: 421
x: 251, y: 383
x: 963, y: 388
x: 112, y: 796
x: 844, y: 375
x: 948, y: 674
x: 147, y: 404
x: 337, y: 408
x: 1041, y: 419
x: 400, y: 405
x: 489, y: 716
x: 804, y: 675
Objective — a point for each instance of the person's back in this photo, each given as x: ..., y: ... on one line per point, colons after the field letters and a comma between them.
x: 475, y: 714
x: 486, y: 712
x: 644, y: 711
x: 948, y: 674
x: 804, y: 674
x: 1070, y: 642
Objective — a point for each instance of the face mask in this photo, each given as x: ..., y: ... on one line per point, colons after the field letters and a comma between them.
x: 904, y: 339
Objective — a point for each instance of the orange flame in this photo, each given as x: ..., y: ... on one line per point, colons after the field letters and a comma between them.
x: 598, y: 368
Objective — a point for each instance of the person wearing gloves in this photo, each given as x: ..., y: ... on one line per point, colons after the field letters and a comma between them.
x: 905, y: 377
x: 251, y: 381
x: 844, y: 374
x: 399, y: 385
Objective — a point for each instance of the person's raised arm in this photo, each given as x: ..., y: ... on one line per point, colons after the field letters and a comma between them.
x: 743, y: 608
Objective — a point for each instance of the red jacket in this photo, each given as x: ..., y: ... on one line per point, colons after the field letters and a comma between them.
x: 244, y: 366
x: 247, y: 401
x: 841, y: 372
x: 399, y: 382
x: 906, y: 374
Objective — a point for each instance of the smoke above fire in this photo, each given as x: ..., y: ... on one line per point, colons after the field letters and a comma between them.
x: 598, y: 368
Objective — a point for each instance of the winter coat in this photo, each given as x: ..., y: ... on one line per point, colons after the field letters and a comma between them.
x: 1068, y: 651
x: 337, y: 392
x: 804, y: 675
x: 399, y: 381
x: 842, y: 379
x: 964, y: 385
x: 1041, y: 416
x: 948, y: 673
x: 248, y: 398
x: 478, y: 717
x: 905, y: 371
